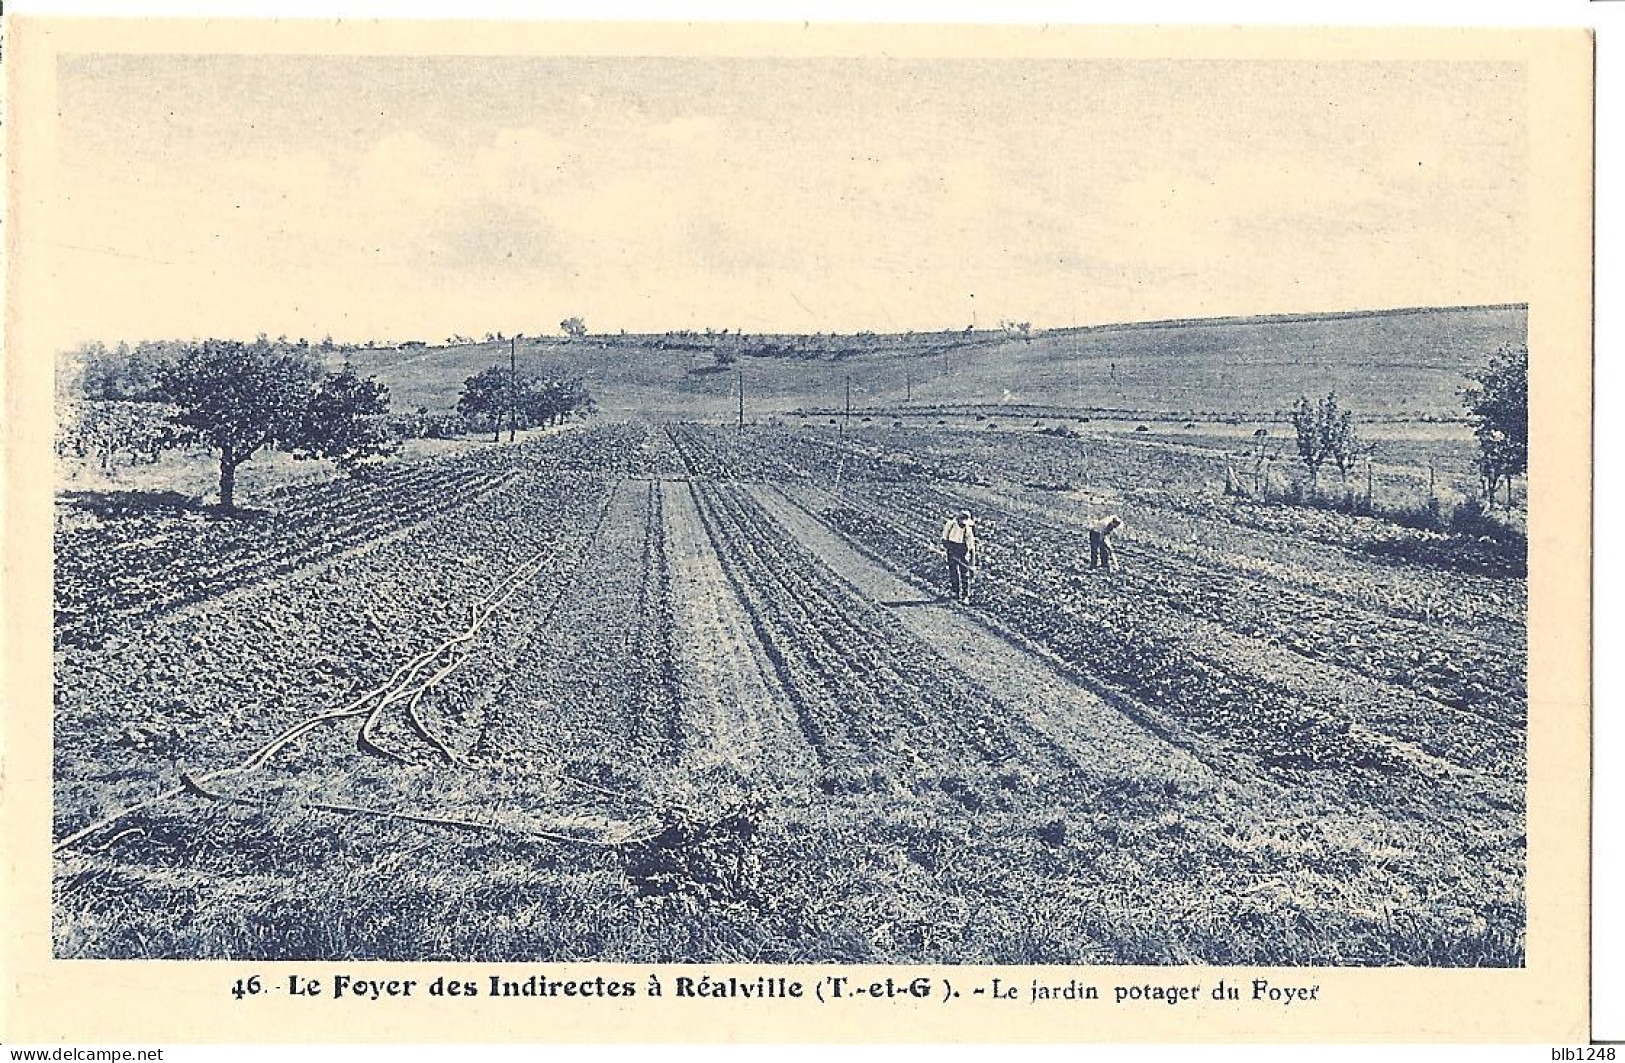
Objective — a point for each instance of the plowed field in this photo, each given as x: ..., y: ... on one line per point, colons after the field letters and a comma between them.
x: 680, y: 692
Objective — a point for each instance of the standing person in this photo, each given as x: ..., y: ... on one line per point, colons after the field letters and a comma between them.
x: 1100, y: 547
x: 959, y: 540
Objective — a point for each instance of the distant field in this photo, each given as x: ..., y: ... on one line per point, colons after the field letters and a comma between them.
x: 1392, y: 364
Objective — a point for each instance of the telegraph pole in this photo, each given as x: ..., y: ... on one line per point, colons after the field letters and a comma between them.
x: 741, y: 398
x: 1077, y: 365
x: 513, y: 385
x: 849, y: 400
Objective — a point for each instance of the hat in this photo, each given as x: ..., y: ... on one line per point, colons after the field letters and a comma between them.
x: 964, y: 514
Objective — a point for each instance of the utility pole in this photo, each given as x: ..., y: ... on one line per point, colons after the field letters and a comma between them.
x: 1077, y: 365
x: 849, y: 401
x: 741, y: 399
x: 513, y: 385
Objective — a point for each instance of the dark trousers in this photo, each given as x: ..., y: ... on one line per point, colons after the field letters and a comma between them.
x: 959, y: 570
x: 1100, y: 551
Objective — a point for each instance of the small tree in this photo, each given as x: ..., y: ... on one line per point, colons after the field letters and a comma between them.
x: 238, y: 398
x: 551, y: 401
x: 1325, y: 432
x: 487, y: 397
x: 344, y: 421
x: 570, y: 396
x: 573, y: 327
x: 99, y: 372
x: 121, y: 374
x: 1498, y: 408
x: 1341, y: 441
x: 1306, y: 423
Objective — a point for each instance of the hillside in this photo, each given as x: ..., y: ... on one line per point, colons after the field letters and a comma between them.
x: 1398, y: 364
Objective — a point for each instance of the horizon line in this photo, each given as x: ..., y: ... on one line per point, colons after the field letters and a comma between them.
x: 1274, y: 317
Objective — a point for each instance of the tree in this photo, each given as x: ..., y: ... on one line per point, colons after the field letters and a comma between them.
x: 121, y: 374
x: 573, y: 327
x: 550, y: 401
x: 1325, y: 432
x: 489, y: 395
x: 344, y: 421
x: 556, y: 399
x: 1341, y: 440
x: 104, y: 430
x: 487, y: 398
x: 99, y: 371
x: 1306, y: 423
x: 1498, y: 408
x: 239, y: 397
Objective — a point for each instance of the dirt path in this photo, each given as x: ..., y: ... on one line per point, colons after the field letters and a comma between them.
x: 1098, y: 737
x: 734, y: 710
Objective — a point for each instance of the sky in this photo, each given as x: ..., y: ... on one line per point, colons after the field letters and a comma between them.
x: 401, y: 198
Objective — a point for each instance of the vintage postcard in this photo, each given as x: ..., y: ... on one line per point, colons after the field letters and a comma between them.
x: 741, y: 532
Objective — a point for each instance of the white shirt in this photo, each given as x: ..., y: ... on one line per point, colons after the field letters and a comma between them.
x: 955, y: 532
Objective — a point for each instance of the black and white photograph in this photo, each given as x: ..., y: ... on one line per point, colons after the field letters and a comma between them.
x: 901, y: 509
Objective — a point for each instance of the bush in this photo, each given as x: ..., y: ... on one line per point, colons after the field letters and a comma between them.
x: 1475, y: 519
x: 423, y: 424
x: 1306, y: 493
x: 709, y: 860
x: 1430, y: 516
